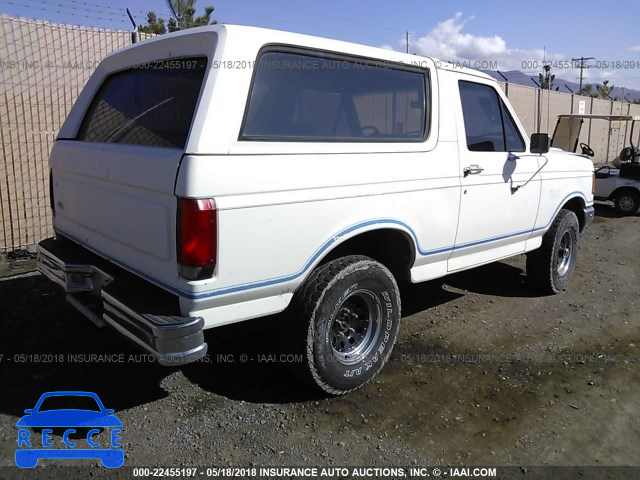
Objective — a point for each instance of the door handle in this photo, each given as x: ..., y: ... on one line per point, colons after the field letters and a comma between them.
x: 472, y: 170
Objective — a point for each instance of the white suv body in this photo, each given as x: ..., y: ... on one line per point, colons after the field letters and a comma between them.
x: 292, y: 151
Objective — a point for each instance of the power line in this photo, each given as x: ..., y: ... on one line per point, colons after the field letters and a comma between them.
x: 582, y: 66
x: 95, y: 11
x: 74, y: 13
x: 72, y: 7
x: 74, y: 4
x: 67, y: 13
x: 317, y: 13
x: 280, y: 20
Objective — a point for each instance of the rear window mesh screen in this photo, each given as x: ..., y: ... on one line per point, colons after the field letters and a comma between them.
x: 152, y: 105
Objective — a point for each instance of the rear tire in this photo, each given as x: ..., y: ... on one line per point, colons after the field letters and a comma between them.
x: 627, y: 202
x: 549, y: 268
x: 347, y: 316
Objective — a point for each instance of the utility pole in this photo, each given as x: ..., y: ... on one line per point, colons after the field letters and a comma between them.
x: 539, y: 104
x: 407, y: 41
x: 582, y: 67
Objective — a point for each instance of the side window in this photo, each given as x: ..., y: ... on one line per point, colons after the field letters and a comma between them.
x: 311, y: 98
x: 488, y: 125
x: 513, y: 139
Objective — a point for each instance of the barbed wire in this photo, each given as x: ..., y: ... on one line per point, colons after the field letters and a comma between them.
x: 317, y: 13
x: 82, y: 9
x: 77, y: 14
x: 88, y: 5
x: 94, y: 11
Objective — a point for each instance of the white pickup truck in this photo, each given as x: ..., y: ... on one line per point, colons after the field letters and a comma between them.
x: 226, y: 173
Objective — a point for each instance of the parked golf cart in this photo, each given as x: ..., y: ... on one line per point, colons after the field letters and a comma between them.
x: 617, y: 180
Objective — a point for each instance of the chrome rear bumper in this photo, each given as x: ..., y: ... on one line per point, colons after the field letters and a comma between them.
x: 105, y: 293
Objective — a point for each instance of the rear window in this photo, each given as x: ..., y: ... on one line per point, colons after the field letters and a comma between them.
x: 152, y: 104
x: 299, y: 96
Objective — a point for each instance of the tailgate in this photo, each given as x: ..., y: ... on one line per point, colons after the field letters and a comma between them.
x: 119, y: 202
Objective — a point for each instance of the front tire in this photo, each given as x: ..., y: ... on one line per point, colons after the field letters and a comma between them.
x: 348, y: 314
x: 627, y: 202
x: 549, y: 268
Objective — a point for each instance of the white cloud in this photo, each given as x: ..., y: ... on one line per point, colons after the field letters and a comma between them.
x: 447, y: 41
x: 635, y: 48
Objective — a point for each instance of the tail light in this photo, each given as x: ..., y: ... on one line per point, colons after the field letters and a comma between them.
x: 593, y: 183
x: 197, y: 238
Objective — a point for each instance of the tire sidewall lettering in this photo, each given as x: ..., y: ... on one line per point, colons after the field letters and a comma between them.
x: 388, y: 302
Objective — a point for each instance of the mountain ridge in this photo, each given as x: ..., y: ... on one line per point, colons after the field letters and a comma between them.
x: 520, y: 78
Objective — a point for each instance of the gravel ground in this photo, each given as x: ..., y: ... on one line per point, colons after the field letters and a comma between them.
x: 485, y: 372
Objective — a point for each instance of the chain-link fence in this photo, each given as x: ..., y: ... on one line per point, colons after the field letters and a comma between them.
x: 43, y: 67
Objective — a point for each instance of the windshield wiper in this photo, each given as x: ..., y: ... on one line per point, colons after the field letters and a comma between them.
x: 122, y: 129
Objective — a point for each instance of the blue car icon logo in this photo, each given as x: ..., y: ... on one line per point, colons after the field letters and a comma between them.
x: 70, y: 413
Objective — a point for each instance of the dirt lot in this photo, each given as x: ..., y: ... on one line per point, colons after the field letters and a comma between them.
x: 485, y: 372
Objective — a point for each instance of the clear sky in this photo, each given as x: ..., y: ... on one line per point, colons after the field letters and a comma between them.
x: 507, y: 32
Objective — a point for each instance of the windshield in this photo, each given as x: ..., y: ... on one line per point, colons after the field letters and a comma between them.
x: 566, y: 134
x: 69, y: 402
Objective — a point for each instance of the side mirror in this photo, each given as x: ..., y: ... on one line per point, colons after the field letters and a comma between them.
x: 539, y: 142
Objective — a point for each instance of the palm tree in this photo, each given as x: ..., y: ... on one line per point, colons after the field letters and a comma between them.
x: 546, y: 81
x: 154, y: 25
x: 587, y: 91
x: 184, y: 16
x: 184, y: 12
x: 604, y: 89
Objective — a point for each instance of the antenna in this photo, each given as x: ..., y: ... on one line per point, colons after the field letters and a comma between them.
x: 134, y: 33
x: 176, y: 15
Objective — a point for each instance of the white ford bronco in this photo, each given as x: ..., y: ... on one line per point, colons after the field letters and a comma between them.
x: 226, y: 173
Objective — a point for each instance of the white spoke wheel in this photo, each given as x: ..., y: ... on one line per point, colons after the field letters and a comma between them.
x: 346, y: 317
x: 356, y: 327
x: 565, y: 252
x: 549, y: 268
